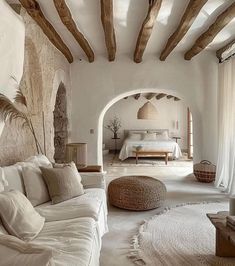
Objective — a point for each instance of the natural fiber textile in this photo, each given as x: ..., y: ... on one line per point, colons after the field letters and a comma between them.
x: 180, y: 236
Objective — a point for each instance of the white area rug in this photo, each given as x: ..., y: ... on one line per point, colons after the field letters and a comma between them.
x: 180, y: 236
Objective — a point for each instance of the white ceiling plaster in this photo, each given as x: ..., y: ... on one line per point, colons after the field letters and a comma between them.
x: 128, y: 17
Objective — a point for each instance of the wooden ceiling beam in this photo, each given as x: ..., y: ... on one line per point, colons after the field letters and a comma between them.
x: 137, y: 96
x: 107, y: 22
x: 150, y: 96
x: 34, y: 10
x: 186, y: 21
x: 208, y: 36
x: 160, y: 96
x: 66, y: 18
x: 176, y: 99
x: 225, y: 50
x: 146, y: 29
x: 16, y: 8
x: 169, y: 96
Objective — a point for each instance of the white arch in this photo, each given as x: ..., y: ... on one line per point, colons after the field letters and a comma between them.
x: 121, y: 96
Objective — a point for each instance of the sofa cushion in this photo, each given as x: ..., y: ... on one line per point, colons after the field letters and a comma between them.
x: 3, y: 181
x: 77, y: 240
x: 63, y: 183
x: 35, y: 186
x: 15, y: 252
x: 18, y: 215
x: 13, y: 173
x: 39, y: 160
x: 91, y: 204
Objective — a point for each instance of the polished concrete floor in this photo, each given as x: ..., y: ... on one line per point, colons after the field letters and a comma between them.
x: 182, y: 187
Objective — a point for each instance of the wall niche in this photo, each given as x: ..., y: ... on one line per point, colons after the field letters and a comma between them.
x: 60, y: 124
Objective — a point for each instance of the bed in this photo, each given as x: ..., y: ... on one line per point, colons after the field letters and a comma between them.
x: 148, y: 140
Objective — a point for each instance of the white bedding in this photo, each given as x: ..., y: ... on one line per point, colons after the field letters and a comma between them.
x: 149, y: 145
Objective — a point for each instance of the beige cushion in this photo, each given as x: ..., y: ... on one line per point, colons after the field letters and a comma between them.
x: 35, y: 186
x: 18, y: 215
x: 63, y: 182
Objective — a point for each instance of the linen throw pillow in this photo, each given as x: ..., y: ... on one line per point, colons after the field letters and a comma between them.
x: 63, y: 183
x: 18, y: 215
x: 35, y: 186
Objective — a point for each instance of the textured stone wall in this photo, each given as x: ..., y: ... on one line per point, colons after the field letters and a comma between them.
x: 44, y: 69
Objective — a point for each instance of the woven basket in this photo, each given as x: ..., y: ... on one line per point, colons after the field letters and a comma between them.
x: 204, y: 171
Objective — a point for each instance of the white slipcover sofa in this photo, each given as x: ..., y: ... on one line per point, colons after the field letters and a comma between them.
x: 73, y: 228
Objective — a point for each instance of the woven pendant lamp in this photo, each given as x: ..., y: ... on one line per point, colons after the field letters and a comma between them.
x: 147, y: 111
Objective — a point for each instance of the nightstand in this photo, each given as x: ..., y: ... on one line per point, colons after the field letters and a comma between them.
x: 176, y: 139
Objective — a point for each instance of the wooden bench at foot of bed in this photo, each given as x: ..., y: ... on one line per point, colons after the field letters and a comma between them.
x: 152, y: 154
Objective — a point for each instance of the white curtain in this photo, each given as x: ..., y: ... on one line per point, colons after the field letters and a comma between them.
x: 225, y: 173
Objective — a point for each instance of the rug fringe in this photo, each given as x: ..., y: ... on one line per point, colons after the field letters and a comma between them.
x: 134, y: 251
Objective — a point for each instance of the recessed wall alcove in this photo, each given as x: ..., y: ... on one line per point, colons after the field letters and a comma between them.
x: 60, y: 124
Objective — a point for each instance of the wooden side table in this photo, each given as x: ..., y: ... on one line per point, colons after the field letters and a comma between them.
x: 176, y: 139
x: 115, y: 145
x: 225, y: 236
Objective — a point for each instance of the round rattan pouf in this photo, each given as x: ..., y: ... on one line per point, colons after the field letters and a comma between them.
x: 137, y: 193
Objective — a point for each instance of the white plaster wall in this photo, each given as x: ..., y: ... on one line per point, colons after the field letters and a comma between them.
x: 169, y: 111
x: 96, y: 86
x: 12, y: 36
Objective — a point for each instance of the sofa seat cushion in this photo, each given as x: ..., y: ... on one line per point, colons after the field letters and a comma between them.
x: 15, y: 252
x: 91, y: 204
x: 76, y: 241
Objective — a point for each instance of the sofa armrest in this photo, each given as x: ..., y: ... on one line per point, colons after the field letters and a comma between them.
x: 93, y: 179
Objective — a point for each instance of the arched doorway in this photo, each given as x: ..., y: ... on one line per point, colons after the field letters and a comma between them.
x: 171, y: 118
x: 130, y: 93
x: 60, y: 124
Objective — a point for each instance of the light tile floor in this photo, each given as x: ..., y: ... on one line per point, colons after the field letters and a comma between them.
x: 182, y: 187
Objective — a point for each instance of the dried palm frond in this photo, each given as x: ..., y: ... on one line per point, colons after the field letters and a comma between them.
x: 20, y: 98
x: 9, y: 111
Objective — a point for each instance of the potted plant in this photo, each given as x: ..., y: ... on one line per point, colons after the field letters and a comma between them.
x: 114, y: 125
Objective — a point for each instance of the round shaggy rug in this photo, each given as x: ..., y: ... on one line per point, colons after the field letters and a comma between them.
x: 179, y: 236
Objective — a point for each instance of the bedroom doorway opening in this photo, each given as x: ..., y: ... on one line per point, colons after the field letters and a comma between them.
x: 171, y: 130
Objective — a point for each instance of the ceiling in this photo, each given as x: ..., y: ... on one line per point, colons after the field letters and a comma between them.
x: 128, y: 18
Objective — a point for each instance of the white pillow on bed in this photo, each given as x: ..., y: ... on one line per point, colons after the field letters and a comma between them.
x: 149, y: 136
x: 163, y: 136
x: 135, y: 136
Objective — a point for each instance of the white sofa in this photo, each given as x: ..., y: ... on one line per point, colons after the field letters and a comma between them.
x: 73, y: 228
